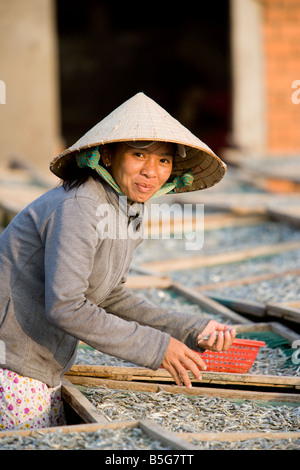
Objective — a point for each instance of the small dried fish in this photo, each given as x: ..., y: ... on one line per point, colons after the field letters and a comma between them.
x: 187, y: 413
x: 103, y: 439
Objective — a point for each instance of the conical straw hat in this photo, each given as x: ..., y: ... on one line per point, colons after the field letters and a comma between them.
x: 142, y: 119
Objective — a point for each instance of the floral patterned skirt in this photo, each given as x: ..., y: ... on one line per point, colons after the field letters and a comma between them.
x: 27, y: 403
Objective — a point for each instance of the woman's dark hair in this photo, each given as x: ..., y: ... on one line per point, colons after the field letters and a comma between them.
x: 76, y: 176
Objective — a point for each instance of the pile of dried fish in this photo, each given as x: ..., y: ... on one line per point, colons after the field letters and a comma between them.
x: 187, y: 413
x: 281, y: 289
x: 89, y: 356
x: 273, y: 361
x: 221, y: 240
x: 229, y: 239
x: 123, y: 438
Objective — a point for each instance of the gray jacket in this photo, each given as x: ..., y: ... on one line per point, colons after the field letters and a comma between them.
x: 62, y: 280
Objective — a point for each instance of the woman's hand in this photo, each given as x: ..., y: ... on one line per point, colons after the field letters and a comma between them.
x: 216, y: 336
x: 178, y: 359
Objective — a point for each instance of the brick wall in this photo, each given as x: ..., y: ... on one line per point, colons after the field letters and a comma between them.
x: 281, y: 23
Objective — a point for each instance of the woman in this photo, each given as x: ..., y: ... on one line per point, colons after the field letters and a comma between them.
x: 63, y: 271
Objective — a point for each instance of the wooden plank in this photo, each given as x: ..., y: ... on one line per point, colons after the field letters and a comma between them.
x: 148, y: 375
x: 208, y: 303
x: 80, y: 404
x: 248, y: 280
x: 241, y: 203
x: 275, y: 183
x: 147, y: 282
x: 239, y: 436
x: 15, y: 197
x: 223, y: 220
x: 169, y: 438
x: 283, y: 311
x: 211, y: 222
x: 257, y: 309
x: 191, y: 262
x: 287, y: 214
x: 194, y: 391
x: 31, y: 173
x: 189, y: 293
x: 279, y: 168
x: 292, y: 304
x: 275, y: 327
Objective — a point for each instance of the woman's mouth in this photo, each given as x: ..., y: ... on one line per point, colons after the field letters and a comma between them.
x: 144, y: 188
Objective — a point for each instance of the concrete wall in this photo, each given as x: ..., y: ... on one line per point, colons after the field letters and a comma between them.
x: 265, y: 45
x: 281, y: 39
x: 248, y: 87
x: 29, y: 119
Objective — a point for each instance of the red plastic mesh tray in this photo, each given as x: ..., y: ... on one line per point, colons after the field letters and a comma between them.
x: 239, y: 357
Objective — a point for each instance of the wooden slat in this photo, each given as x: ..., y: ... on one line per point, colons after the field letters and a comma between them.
x: 257, y: 309
x: 241, y: 203
x: 191, y: 262
x: 148, y: 375
x: 214, y: 392
x: 15, y: 198
x: 238, y: 436
x: 248, y: 280
x: 283, y: 311
x: 147, y: 282
x: 217, y: 221
x: 80, y: 404
x: 189, y: 293
x: 211, y: 222
x: 169, y: 438
x: 287, y: 214
x: 208, y: 303
x: 275, y: 327
x: 292, y: 304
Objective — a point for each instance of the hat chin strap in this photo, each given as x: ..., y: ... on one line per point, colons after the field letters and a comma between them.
x: 90, y: 158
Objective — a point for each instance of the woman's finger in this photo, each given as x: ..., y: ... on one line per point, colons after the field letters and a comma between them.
x: 194, y: 358
x: 227, y: 340
x: 220, y: 339
x: 219, y: 345
x: 195, y: 364
x: 172, y: 370
x: 184, y: 375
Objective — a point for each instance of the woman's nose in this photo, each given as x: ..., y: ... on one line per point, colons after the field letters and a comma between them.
x: 149, y: 168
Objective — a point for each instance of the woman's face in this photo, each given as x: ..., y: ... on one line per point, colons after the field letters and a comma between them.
x: 140, y: 172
